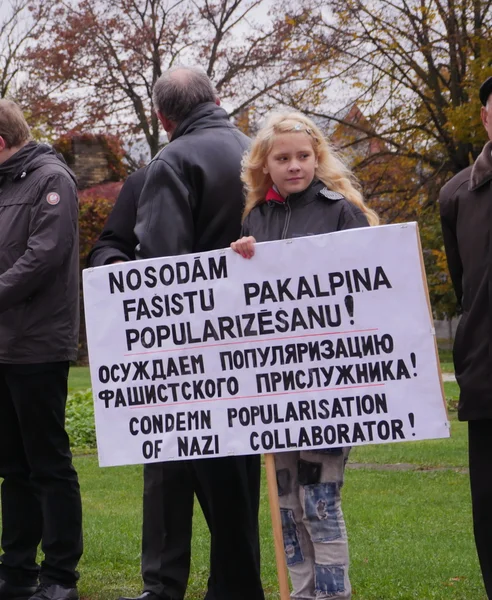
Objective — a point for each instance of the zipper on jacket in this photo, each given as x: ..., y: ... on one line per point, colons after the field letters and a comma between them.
x: 287, y: 219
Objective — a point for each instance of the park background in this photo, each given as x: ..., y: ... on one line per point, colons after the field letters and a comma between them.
x: 394, y: 85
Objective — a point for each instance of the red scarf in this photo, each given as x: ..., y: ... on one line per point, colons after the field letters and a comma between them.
x: 272, y: 194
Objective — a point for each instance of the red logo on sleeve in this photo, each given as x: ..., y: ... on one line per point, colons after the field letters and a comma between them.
x: 52, y: 198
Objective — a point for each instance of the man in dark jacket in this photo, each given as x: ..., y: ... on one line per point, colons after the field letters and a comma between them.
x: 466, y: 216
x: 38, y: 339
x: 192, y: 202
x: 168, y: 487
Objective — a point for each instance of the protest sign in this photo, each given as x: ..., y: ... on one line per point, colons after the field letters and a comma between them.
x: 315, y: 342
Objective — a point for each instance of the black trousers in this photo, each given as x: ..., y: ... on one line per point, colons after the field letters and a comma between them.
x: 40, y: 491
x: 228, y: 491
x: 480, y: 460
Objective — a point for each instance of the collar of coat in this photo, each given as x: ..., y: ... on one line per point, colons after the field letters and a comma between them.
x: 482, y: 168
x: 206, y: 115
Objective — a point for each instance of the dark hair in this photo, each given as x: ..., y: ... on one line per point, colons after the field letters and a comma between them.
x: 179, y: 90
x: 13, y: 126
x: 485, y: 91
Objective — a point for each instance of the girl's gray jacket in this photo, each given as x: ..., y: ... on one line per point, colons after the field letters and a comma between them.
x: 39, y: 263
x: 314, y: 211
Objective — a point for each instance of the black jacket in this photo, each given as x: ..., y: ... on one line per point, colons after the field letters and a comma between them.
x: 314, y: 211
x: 466, y: 218
x: 192, y: 198
x: 117, y: 240
x: 39, y: 270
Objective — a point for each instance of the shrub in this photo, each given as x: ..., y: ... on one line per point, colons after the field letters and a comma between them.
x: 452, y: 404
x: 79, y: 420
x: 95, y: 206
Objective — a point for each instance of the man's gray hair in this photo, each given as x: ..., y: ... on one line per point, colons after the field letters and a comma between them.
x: 179, y: 90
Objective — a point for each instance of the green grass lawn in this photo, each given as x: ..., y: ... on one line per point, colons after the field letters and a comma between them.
x: 411, y: 536
x: 410, y: 531
x: 446, y: 360
x: 445, y: 355
x: 79, y: 379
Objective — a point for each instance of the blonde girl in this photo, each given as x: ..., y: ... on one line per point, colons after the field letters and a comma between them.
x: 297, y: 186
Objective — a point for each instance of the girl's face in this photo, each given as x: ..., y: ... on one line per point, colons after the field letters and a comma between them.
x: 291, y: 162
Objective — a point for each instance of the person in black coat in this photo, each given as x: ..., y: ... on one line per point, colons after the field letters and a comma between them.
x: 191, y: 201
x: 39, y: 291
x: 465, y: 205
x: 168, y: 488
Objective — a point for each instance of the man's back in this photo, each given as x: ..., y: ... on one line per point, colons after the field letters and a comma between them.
x: 465, y: 217
x: 192, y: 199
x: 192, y: 202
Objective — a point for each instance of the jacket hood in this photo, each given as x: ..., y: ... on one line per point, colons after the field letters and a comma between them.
x: 30, y: 157
x: 482, y: 168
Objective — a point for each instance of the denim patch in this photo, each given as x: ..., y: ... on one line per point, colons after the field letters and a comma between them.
x: 283, y: 482
x: 293, y: 552
x: 329, y: 579
x: 308, y: 473
x: 319, y: 506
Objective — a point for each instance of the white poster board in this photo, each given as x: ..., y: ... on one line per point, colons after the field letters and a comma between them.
x: 314, y: 343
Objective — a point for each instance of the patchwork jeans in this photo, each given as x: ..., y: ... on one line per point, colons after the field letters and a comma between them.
x: 315, y: 537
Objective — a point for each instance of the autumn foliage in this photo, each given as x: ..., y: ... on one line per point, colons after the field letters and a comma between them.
x: 413, y: 69
x: 396, y: 82
x: 99, y: 59
x: 95, y: 205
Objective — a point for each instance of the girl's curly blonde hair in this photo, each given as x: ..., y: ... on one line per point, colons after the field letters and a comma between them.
x: 330, y: 170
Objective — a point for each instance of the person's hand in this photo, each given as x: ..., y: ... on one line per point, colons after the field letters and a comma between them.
x: 245, y: 246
